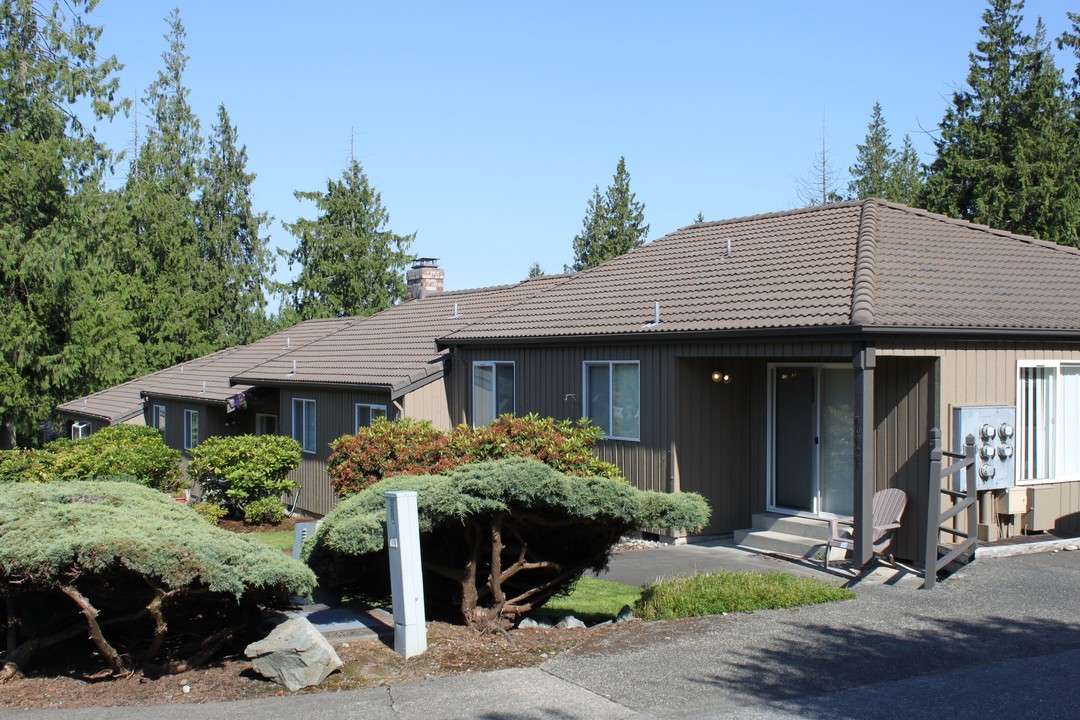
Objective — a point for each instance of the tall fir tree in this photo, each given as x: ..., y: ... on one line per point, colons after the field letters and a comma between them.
x: 236, y: 259
x: 880, y: 170
x: 350, y: 262
x: 614, y: 223
x: 161, y: 247
x: 61, y: 316
x: 1004, y: 154
x: 906, y: 178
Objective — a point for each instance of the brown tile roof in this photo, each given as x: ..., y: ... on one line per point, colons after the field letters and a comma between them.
x: 395, y: 348
x: 867, y: 262
x: 185, y: 381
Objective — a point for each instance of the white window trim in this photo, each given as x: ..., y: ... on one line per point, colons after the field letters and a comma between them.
x: 369, y: 407
x: 298, y: 433
x: 1021, y: 423
x: 189, y: 443
x: 80, y: 430
x: 159, y: 413
x: 493, y: 364
x: 611, y: 376
x: 259, y: 417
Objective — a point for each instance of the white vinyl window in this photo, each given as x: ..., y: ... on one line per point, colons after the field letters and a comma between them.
x: 191, y: 429
x: 159, y: 418
x: 613, y: 398
x: 1048, y: 421
x: 493, y: 391
x: 80, y: 430
x: 265, y: 424
x: 303, y: 424
x: 366, y: 414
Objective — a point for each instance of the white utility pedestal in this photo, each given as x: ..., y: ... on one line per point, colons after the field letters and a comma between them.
x: 406, y: 582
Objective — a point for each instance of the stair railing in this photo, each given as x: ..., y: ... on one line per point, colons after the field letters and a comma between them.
x: 963, y: 499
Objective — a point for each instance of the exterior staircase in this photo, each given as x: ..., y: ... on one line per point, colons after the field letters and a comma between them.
x: 786, y: 535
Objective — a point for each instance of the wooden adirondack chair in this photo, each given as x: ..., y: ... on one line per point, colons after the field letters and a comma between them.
x: 889, y: 507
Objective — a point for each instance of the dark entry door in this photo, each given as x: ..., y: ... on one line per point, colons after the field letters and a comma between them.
x: 794, y: 435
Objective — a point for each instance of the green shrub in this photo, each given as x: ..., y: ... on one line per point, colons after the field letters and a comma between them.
x: 238, y: 470
x: 212, y: 512
x: 150, y: 583
x: 724, y: 592
x: 25, y: 465
x: 385, y: 449
x: 410, y: 447
x: 498, y: 538
x: 265, y: 511
x: 116, y: 451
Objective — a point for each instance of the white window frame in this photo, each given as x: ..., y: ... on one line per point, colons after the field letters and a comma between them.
x: 1057, y: 438
x: 611, y: 378
x: 158, y: 418
x: 494, y: 409
x: 191, y: 429
x: 369, y: 408
x: 80, y: 430
x: 305, y: 406
x: 260, y: 421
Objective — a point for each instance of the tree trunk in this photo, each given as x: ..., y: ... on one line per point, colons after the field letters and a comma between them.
x: 7, y: 433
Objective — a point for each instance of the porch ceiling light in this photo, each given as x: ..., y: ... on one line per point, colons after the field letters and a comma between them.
x: 719, y: 376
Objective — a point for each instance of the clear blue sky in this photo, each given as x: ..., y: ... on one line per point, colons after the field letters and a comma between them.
x: 485, y: 126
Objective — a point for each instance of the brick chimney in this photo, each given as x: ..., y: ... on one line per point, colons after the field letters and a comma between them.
x: 424, y: 278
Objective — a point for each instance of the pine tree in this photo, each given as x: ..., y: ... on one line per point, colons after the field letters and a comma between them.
x: 350, y: 263
x: 613, y: 223
x: 160, y: 250
x: 52, y: 279
x: 535, y: 271
x: 906, y: 178
x: 1005, y: 156
x: 873, y: 161
x: 235, y: 258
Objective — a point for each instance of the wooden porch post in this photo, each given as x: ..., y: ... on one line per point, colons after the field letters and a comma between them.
x: 864, y: 361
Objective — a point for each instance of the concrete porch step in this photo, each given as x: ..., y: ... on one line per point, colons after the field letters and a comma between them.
x: 811, y: 528
x: 778, y: 542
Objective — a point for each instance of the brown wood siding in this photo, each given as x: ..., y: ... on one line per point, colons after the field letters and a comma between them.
x: 903, y: 415
x: 984, y: 373
x: 335, y: 413
x: 428, y: 403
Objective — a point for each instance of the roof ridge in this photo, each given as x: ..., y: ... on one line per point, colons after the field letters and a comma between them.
x: 768, y: 215
x: 862, y: 295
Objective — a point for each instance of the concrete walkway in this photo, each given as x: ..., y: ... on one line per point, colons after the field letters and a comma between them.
x: 1001, y: 638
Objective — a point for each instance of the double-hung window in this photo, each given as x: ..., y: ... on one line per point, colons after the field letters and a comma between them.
x: 159, y: 418
x: 1048, y: 421
x: 613, y: 398
x: 191, y: 429
x: 303, y: 424
x: 366, y: 414
x: 493, y: 391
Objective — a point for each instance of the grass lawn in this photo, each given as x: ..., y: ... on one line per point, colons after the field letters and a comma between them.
x: 280, y: 539
x: 592, y: 600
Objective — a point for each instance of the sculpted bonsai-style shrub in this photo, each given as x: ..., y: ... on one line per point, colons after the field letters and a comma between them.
x: 121, y: 575
x: 498, y: 538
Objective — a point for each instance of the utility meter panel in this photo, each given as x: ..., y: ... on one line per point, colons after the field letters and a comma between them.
x: 995, y: 444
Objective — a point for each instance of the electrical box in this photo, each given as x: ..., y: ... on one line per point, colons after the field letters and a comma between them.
x: 993, y: 427
x: 1012, y: 501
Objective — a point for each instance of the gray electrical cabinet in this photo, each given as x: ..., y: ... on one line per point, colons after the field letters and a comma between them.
x: 993, y: 427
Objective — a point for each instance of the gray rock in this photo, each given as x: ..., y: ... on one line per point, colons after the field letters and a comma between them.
x: 542, y: 622
x: 627, y: 613
x: 295, y: 655
x: 570, y: 622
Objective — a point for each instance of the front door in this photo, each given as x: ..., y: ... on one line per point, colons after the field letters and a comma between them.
x: 812, y: 440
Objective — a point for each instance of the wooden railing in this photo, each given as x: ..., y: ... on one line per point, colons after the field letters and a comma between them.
x: 938, y: 521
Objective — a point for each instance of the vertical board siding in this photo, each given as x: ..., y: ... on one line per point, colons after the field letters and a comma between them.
x: 984, y: 373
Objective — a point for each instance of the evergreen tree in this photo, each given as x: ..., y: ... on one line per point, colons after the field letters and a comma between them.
x: 535, y: 270
x: 905, y: 181
x: 1005, y: 156
x: 160, y: 251
x: 236, y: 261
x: 873, y: 161
x: 60, y: 316
x: 613, y: 224
x: 350, y: 263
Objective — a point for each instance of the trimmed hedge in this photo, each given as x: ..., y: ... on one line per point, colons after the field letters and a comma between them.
x: 148, y: 580
x: 498, y: 538
x: 239, y: 471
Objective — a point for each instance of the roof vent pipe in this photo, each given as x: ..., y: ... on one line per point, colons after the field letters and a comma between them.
x: 729, y: 247
x: 293, y: 368
x: 203, y: 391
x: 455, y: 311
x: 288, y: 342
x: 656, y: 314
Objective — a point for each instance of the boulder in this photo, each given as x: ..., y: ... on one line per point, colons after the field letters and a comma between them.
x: 570, y: 622
x: 295, y: 655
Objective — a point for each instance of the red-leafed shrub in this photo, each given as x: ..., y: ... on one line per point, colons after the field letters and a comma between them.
x: 409, y: 447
